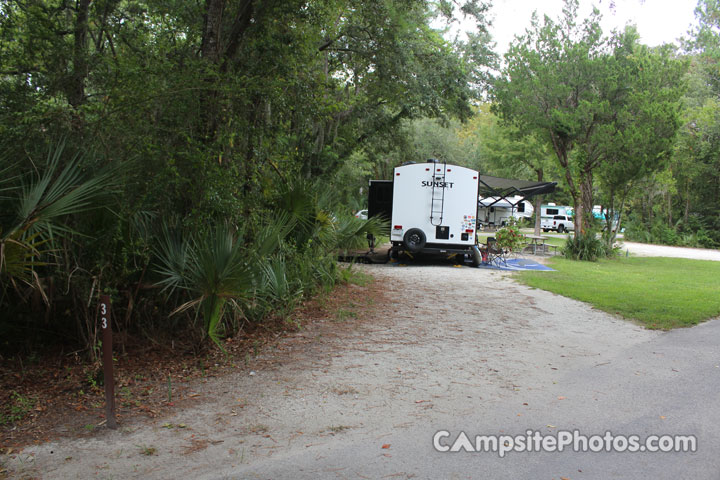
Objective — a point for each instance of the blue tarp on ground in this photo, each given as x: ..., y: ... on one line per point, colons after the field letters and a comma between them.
x: 516, y: 264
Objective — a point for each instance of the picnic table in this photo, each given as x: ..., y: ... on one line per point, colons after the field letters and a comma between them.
x: 536, y: 241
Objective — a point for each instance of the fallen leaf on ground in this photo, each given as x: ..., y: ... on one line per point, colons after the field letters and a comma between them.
x: 386, y: 445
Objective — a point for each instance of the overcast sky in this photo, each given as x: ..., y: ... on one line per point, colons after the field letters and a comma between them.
x: 658, y: 21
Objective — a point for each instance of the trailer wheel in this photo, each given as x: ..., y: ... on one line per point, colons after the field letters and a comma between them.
x: 414, y: 240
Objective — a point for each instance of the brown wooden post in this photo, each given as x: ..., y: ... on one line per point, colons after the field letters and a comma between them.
x: 109, y: 378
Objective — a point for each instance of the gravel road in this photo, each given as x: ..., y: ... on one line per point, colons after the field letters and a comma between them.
x: 647, y: 250
x: 650, y: 250
x: 459, y: 349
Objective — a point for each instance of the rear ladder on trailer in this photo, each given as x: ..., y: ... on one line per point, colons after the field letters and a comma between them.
x: 437, y: 203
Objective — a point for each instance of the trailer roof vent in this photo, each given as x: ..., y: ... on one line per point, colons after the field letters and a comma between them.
x: 433, y: 160
x: 409, y: 162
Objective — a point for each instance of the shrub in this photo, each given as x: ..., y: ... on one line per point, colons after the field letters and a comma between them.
x: 509, y: 238
x: 586, y: 247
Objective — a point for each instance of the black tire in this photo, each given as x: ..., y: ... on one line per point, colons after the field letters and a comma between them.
x: 476, y: 256
x: 414, y: 240
x: 561, y: 228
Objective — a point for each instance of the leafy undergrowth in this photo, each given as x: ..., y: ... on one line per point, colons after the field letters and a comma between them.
x: 49, y: 396
x: 661, y: 293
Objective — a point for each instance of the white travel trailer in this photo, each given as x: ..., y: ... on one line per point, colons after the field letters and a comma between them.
x: 434, y: 208
x: 496, y: 211
x: 550, y: 210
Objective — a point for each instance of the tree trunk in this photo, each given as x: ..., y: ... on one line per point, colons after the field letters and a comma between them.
x: 210, y: 48
x: 618, y: 225
x: 561, y: 150
x: 538, y: 204
x: 687, y: 203
x: 586, y: 203
x: 76, y: 86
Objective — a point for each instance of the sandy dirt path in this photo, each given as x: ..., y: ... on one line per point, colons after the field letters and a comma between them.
x: 647, y: 250
x: 457, y: 344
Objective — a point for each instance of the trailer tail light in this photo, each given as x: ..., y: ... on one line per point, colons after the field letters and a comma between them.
x: 397, y: 227
x: 474, y: 178
x: 397, y: 174
x: 469, y: 230
x: 449, y: 170
x: 427, y: 169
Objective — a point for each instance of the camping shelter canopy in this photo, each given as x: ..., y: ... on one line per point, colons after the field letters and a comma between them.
x: 502, y: 188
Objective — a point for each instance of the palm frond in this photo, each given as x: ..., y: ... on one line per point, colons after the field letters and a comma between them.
x: 9, y: 182
x: 172, y: 252
x: 56, y: 193
x: 349, y: 232
x: 277, y: 228
x: 218, y: 264
x: 20, y: 256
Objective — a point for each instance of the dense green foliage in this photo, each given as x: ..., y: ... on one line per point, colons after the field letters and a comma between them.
x: 202, y: 127
x: 648, y: 290
x: 607, y: 105
x: 681, y: 205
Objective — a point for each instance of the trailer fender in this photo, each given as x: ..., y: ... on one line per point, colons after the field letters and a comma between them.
x: 477, y: 257
x: 414, y: 240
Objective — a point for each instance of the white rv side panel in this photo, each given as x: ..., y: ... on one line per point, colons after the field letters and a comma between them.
x: 497, y: 211
x: 456, y: 188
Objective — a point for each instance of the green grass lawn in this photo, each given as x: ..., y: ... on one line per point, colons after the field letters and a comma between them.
x: 660, y: 293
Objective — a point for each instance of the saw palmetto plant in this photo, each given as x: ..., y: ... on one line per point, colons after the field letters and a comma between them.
x: 35, y: 205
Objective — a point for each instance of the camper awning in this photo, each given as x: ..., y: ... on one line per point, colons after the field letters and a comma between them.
x: 505, y: 187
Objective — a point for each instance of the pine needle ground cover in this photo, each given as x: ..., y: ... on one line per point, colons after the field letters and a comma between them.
x: 660, y: 293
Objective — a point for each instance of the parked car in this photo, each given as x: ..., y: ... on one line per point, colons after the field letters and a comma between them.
x: 558, y: 223
x: 362, y: 214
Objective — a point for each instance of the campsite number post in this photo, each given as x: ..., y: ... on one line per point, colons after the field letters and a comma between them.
x: 107, y: 361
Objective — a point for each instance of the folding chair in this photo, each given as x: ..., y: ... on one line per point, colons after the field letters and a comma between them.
x: 496, y: 254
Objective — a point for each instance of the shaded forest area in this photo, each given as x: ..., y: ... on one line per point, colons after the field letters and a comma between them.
x: 182, y: 156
